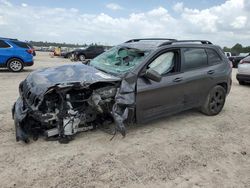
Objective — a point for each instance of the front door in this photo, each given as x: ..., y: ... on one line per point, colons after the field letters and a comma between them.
x: 157, y: 99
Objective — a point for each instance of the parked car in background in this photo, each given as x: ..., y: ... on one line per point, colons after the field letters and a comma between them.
x: 243, y: 75
x: 88, y: 53
x: 66, y: 54
x: 134, y: 82
x: 57, y: 51
x: 15, y: 54
x: 236, y: 59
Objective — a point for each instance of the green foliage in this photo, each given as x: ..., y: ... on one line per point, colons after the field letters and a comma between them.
x: 237, y: 48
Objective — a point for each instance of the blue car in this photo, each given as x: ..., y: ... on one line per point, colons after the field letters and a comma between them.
x: 15, y: 54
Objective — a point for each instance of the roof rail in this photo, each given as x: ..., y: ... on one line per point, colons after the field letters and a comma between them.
x: 4, y: 38
x: 137, y: 40
x: 183, y: 41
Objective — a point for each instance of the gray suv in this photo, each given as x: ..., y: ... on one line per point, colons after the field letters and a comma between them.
x: 135, y: 82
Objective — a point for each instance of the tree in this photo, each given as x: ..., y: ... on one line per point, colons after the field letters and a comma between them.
x: 226, y: 49
x: 237, y: 48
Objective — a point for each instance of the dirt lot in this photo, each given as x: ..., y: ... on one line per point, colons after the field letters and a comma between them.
x: 185, y: 150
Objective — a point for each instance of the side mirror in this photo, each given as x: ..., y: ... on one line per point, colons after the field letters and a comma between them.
x: 153, y: 75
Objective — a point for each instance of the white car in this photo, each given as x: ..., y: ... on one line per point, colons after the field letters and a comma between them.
x: 228, y: 54
x: 243, y: 74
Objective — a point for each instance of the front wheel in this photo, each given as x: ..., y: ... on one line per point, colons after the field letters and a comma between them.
x: 82, y: 57
x: 15, y: 65
x: 214, y: 101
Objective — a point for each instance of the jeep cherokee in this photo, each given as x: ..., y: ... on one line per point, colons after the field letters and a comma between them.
x: 135, y: 82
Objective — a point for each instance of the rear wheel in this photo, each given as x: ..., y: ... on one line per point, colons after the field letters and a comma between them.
x: 15, y: 65
x: 215, y: 101
x: 82, y: 57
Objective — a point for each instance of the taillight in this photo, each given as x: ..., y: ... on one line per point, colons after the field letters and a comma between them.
x: 244, y: 62
x: 30, y: 51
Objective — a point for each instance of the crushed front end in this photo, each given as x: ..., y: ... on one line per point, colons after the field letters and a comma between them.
x: 60, y: 110
x: 59, y: 102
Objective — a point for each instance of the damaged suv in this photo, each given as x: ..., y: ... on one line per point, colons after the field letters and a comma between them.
x: 137, y: 81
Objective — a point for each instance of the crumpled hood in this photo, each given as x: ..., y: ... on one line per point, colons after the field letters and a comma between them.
x: 40, y: 80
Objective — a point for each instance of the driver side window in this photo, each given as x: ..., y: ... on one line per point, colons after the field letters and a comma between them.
x: 163, y: 64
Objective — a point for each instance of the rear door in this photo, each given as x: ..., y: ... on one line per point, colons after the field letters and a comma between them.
x: 220, y: 71
x: 196, y: 76
x: 157, y: 99
x: 5, y: 52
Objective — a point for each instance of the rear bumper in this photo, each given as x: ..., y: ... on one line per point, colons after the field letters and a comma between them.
x: 27, y: 64
x: 243, y: 77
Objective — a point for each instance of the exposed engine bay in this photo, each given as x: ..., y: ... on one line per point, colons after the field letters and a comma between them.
x: 59, y: 102
x: 66, y: 110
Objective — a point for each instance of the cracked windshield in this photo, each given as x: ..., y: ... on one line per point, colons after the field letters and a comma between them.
x: 119, y: 60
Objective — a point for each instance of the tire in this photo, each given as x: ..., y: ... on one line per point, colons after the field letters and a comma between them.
x: 15, y: 65
x: 215, y: 101
x: 241, y: 82
x: 82, y: 57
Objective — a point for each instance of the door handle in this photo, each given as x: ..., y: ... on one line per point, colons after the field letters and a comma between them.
x: 211, y: 72
x: 177, y: 80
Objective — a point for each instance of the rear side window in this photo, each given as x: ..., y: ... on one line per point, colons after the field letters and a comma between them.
x: 4, y: 44
x: 194, y: 58
x: 91, y: 48
x: 213, y: 57
x: 21, y: 44
x: 30, y: 45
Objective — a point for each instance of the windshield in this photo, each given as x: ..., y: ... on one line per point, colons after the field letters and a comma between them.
x: 119, y: 60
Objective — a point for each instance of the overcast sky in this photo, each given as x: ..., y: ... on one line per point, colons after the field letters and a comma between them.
x: 113, y: 22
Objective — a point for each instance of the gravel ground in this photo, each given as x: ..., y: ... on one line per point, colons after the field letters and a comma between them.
x: 185, y: 150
